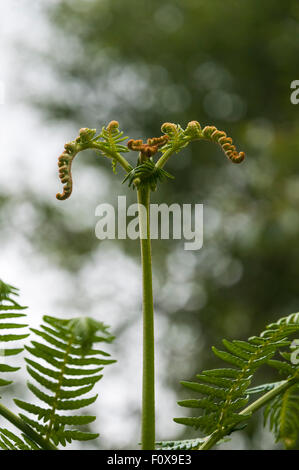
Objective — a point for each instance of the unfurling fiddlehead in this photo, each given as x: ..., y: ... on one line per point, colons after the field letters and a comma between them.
x: 66, y: 159
x: 179, y: 138
x: 108, y: 142
x: 212, y: 133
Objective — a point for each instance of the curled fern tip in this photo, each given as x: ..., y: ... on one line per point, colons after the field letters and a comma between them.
x: 226, y: 143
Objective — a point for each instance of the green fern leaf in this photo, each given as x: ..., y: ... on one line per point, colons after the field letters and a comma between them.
x: 66, y: 375
x: 187, y: 444
x: 147, y: 172
x: 8, y: 305
x: 225, y: 392
x: 263, y: 388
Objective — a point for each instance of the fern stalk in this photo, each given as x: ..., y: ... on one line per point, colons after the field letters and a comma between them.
x: 144, y: 178
x: 27, y: 430
x: 163, y: 159
x: 148, y: 385
x: 116, y: 155
x: 264, y: 399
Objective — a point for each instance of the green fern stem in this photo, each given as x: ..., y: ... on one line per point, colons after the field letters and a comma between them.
x: 148, y: 384
x: 252, y: 408
x: 264, y: 399
x: 22, y: 426
x: 112, y: 154
x: 164, y: 157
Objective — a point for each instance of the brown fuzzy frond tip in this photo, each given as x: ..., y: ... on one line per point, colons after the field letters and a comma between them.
x: 150, y: 148
x: 112, y: 125
x: 226, y: 143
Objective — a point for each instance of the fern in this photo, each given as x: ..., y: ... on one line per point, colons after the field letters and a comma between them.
x: 179, y: 138
x: 9, y: 313
x: 144, y: 177
x: 174, y: 140
x: 224, y: 392
x: 65, y: 160
x: 65, y: 367
x: 111, y: 138
x: 108, y: 143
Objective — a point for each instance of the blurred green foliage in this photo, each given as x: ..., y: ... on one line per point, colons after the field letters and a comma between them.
x: 229, y: 64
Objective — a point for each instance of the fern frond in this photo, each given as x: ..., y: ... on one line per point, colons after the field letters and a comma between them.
x: 179, y: 138
x: 224, y: 392
x: 65, y: 379
x: 213, y: 134
x: 9, y: 314
x: 108, y: 143
x: 71, y: 149
x: 112, y: 137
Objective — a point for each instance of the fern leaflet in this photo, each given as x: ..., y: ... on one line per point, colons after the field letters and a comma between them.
x: 9, y: 314
x: 186, y: 444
